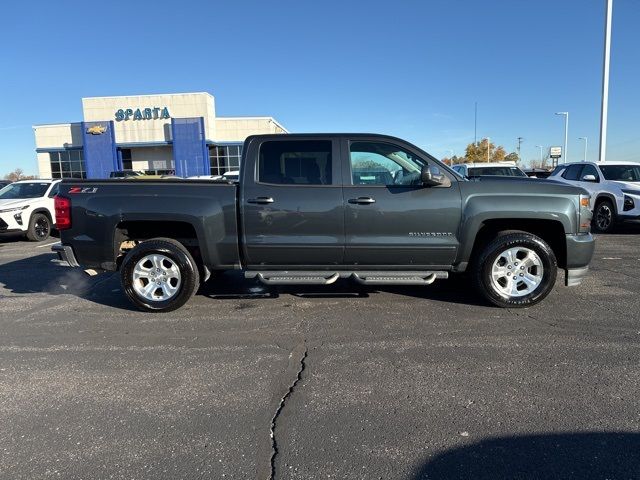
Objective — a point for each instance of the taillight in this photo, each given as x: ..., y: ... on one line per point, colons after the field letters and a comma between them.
x: 62, y: 207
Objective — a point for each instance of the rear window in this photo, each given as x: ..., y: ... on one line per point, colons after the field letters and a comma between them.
x: 300, y: 162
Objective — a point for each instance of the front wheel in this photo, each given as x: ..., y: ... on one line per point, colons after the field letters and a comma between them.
x: 516, y: 270
x: 39, y: 228
x: 604, y: 217
x: 159, y: 275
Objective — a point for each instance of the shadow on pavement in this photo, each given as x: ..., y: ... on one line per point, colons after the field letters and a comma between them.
x: 582, y: 456
x: 42, y: 274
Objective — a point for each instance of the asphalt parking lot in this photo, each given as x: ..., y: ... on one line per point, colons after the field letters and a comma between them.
x: 350, y: 382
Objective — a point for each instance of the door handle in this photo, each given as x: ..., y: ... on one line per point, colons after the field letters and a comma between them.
x: 362, y: 200
x: 261, y: 200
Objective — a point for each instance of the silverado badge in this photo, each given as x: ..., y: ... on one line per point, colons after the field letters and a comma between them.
x: 97, y: 130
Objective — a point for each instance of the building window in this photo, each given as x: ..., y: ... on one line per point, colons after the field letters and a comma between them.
x: 224, y: 158
x: 67, y: 164
x: 126, y: 158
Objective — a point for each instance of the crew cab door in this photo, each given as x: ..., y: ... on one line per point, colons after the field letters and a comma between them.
x: 391, y: 219
x: 292, y: 208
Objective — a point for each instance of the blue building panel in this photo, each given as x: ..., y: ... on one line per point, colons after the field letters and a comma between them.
x: 99, y: 149
x: 190, y: 151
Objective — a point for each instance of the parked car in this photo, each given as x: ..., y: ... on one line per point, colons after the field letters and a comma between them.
x: 500, y: 169
x: 230, y: 176
x: 298, y: 217
x: 537, y: 172
x: 27, y: 206
x: 614, y: 188
x: 126, y: 174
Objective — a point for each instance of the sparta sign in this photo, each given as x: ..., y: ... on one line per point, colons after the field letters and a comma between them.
x: 142, y: 113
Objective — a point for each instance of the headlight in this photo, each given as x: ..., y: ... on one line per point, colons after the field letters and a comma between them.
x: 629, y: 204
x: 14, y: 209
x: 585, y: 215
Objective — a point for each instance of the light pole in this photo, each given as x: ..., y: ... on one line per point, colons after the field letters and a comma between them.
x: 584, y: 159
x: 540, y: 147
x: 488, y: 148
x: 605, y: 81
x: 565, y: 157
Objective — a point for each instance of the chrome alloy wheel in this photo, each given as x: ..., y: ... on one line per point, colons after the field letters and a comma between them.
x: 604, y: 216
x: 156, y: 278
x: 517, y: 272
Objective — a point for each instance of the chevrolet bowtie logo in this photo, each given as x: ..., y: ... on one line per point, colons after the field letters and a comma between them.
x: 97, y: 130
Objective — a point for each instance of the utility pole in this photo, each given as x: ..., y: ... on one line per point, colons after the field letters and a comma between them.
x: 565, y: 155
x: 584, y: 158
x: 604, y: 110
x: 520, y: 139
x: 475, y: 126
x: 540, y: 147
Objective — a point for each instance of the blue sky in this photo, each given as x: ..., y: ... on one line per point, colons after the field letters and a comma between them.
x: 408, y: 68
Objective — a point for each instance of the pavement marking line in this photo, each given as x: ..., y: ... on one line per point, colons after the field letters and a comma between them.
x: 47, y: 245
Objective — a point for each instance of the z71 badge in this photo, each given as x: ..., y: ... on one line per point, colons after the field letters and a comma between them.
x: 83, y: 189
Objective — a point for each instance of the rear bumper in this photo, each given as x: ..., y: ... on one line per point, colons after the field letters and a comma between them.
x: 65, y: 253
x: 579, y: 254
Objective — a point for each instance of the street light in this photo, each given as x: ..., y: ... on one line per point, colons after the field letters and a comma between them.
x: 584, y: 159
x: 604, y: 108
x: 540, y: 147
x: 566, y: 134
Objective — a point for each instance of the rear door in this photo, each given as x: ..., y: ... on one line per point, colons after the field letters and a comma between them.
x: 391, y: 219
x: 292, y: 208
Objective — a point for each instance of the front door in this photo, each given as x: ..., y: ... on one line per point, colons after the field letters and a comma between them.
x: 391, y: 219
x: 293, y: 210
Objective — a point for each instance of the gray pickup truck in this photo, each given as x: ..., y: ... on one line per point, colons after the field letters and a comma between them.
x: 311, y: 209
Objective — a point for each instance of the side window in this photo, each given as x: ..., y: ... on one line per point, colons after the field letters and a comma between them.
x: 572, y: 172
x: 300, y: 162
x: 54, y: 190
x: 590, y: 170
x: 379, y: 163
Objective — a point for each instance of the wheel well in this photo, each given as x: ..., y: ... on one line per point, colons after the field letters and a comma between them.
x: 606, y: 196
x: 129, y: 234
x: 45, y: 212
x: 550, y: 231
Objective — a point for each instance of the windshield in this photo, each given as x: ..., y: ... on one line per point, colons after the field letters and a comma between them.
x: 624, y: 173
x: 24, y: 190
x: 497, y: 171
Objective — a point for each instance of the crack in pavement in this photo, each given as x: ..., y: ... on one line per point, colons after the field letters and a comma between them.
x: 295, y: 366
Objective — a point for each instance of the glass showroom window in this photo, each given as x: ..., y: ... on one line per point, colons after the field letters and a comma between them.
x: 224, y: 158
x: 67, y: 164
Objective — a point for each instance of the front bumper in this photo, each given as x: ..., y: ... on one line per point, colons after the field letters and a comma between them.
x: 8, y: 224
x: 579, y: 254
x: 65, y: 253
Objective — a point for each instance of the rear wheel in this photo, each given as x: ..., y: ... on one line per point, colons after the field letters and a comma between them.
x: 604, y: 217
x: 516, y: 270
x: 159, y: 275
x: 39, y: 227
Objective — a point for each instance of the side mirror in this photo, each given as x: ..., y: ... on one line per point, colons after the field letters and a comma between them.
x: 431, y: 176
x: 589, y: 178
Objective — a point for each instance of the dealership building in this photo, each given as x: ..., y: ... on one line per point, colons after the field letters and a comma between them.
x: 158, y: 134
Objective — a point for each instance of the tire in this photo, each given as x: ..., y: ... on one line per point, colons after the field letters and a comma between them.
x: 535, y: 276
x: 39, y: 228
x: 171, y: 267
x: 604, y: 217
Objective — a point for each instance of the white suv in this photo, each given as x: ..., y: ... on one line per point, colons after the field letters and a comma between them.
x: 614, y: 189
x: 27, y: 206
